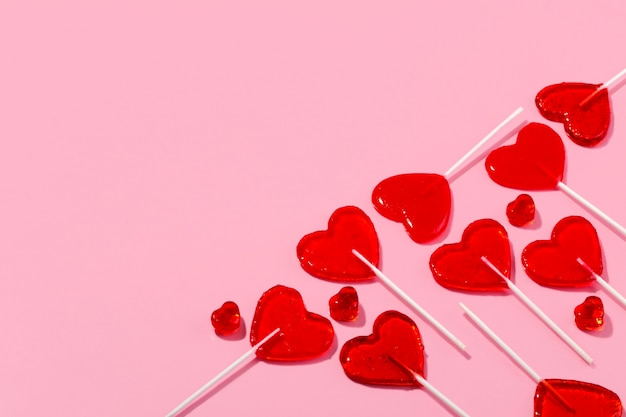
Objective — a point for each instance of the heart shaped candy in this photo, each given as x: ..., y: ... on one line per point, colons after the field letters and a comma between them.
x: 587, y: 400
x: 226, y: 319
x: 586, y: 124
x: 303, y: 335
x: 553, y: 262
x: 535, y: 162
x: 590, y: 314
x: 328, y: 254
x: 521, y: 211
x: 458, y: 266
x: 375, y: 359
x: 421, y: 202
x: 344, y: 306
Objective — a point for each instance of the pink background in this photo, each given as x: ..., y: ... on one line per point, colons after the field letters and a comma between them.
x: 160, y: 158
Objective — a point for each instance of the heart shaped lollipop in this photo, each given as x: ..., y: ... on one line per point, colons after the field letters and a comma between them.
x: 421, y: 202
x: 586, y: 124
x: 587, y: 400
x: 458, y: 266
x: 554, y: 262
x: 366, y: 359
x: 303, y: 335
x: 535, y: 162
x: 328, y: 254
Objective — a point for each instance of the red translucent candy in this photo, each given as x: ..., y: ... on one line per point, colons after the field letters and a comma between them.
x: 458, y: 266
x: 590, y: 314
x: 226, y: 319
x: 587, y: 400
x: 535, y: 162
x: 553, y: 262
x: 586, y: 121
x: 328, y: 254
x: 344, y: 306
x: 421, y: 202
x: 303, y: 335
x: 382, y: 357
x: 521, y: 211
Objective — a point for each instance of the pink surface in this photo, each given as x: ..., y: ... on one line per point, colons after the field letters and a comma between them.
x: 158, y: 159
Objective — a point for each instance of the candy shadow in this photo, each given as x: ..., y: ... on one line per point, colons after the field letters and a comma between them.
x: 238, y: 335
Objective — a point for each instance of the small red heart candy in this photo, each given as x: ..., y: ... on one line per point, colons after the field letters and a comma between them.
x: 344, y: 306
x: 587, y: 400
x: 226, y: 319
x: 535, y: 162
x: 375, y: 359
x: 590, y: 314
x: 458, y: 266
x: 421, y: 202
x: 553, y: 262
x: 303, y: 335
x: 585, y: 122
x: 521, y: 211
x: 328, y: 254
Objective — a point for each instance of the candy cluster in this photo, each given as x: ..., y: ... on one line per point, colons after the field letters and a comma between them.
x: 393, y: 355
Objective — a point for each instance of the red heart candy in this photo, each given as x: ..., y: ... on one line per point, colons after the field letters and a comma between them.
x: 521, y: 211
x: 458, y: 266
x: 226, y: 319
x: 585, y: 122
x: 344, y: 306
x: 590, y: 314
x: 303, y: 335
x: 421, y: 202
x: 535, y: 162
x: 376, y: 359
x: 587, y: 400
x: 553, y: 262
x: 328, y: 254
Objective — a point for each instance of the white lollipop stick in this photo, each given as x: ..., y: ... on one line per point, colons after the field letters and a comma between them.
x: 606, y: 85
x: 221, y: 375
x: 432, y: 390
x: 539, y: 313
x: 482, y: 142
x: 599, y: 213
x: 605, y: 285
x: 513, y: 355
x: 452, y: 338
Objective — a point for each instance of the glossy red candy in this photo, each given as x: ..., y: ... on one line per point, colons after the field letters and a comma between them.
x: 328, y: 254
x: 344, y: 306
x: 421, y: 202
x: 521, y: 211
x: 458, y: 266
x: 375, y: 359
x: 303, y: 335
x: 590, y: 314
x: 226, y: 319
x: 587, y: 400
x: 553, y: 262
x: 586, y: 122
x: 535, y: 162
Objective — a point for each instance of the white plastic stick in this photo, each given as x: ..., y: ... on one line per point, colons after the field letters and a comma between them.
x: 482, y: 142
x: 606, y: 85
x: 539, y: 313
x: 221, y: 375
x: 435, y: 392
x: 514, y: 356
x: 498, y: 341
x: 605, y: 285
x: 586, y: 204
x: 452, y: 338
